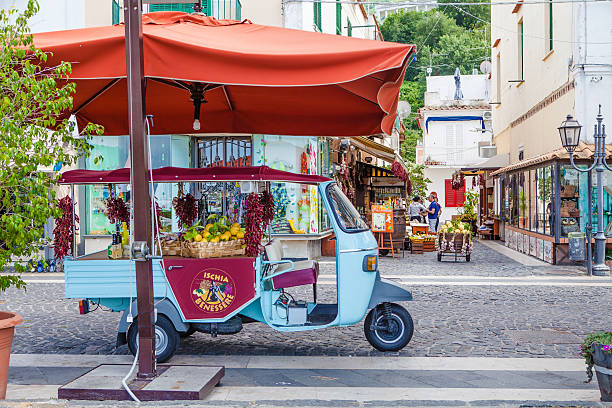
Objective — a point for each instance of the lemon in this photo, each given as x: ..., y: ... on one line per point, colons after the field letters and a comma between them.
x: 208, y: 226
x: 206, y: 234
x: 198, y: 238
x: 240, y: 235
x: 215, y: 239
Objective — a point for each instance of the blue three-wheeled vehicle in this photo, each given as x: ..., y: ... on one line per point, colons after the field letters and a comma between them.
x: 219, y: 295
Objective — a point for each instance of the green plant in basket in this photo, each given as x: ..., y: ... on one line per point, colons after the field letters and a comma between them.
x: 586, y: 351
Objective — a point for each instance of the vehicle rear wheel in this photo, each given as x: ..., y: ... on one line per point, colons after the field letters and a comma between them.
x: 467, y: 258
x: 383, y: 252
x: 439, y: 256
x: 166, y: 338
x: 391, y: 330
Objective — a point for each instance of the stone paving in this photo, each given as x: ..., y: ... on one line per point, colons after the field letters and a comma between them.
x: 484, y: 262
x: 492, y: 321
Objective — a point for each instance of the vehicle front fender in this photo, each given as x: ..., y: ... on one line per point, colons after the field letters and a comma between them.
x: 165, y: 307
x: 386, y: 290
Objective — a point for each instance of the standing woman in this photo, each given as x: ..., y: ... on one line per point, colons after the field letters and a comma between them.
x: 439, y: 210
x: 432, y: 213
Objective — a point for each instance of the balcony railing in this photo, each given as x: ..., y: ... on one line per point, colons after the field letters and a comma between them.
x: 221, y: 9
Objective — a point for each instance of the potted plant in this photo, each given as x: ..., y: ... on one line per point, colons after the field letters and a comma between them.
x: 597, y: 352
x: 35, y: 142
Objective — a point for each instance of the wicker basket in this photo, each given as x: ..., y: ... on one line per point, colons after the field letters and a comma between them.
x: 221, y: 249
x: 171, y: 247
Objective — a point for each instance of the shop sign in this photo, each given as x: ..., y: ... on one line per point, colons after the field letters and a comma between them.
x: 382, y: 218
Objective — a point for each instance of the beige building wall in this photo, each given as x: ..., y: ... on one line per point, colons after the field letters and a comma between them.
x: 266, y: 12
x: 544, y: 73
x: 99, y: 13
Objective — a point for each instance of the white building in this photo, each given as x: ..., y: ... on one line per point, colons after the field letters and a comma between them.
x: 454, y: 132
x: 382, y: 11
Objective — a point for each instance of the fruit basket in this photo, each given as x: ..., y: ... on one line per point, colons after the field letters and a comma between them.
x: 454, y: 240
x: 215, y: 240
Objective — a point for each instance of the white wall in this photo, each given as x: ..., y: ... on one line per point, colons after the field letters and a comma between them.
x: 473, y: 87
x: 54, y: 15
x: 453, y: 143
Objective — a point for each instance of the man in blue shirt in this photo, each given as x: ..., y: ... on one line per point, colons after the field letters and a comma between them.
x: 432, y: 213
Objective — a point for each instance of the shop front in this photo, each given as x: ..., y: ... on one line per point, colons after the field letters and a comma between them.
x: 299, y: 222
x: 544, y: 199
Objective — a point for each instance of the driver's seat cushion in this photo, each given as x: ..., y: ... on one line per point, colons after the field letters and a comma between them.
x: 304, y: 273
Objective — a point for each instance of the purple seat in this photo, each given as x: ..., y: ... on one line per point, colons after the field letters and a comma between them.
x: 305, y: 273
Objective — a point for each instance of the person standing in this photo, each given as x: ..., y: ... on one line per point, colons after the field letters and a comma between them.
x: 439, y: 210
x: 416, y: 210
x: 432, y: 213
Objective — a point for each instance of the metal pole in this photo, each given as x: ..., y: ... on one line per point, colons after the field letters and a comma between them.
x: 589, y: 227
x: 600, y: 267
x: 140, y: 185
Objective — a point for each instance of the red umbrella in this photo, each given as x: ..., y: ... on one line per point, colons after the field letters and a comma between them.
x: 253, y: 78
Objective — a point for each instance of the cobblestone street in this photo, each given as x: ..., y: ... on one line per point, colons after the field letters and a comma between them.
x: 470, y: 320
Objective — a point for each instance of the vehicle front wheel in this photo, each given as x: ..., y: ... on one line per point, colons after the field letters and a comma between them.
x: 388, y: 327
x: 166, y: 338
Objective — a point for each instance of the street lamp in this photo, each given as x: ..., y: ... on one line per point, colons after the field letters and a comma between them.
x: 569, y: 131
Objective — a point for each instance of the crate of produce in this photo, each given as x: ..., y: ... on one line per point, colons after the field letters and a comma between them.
x: 417, y: 246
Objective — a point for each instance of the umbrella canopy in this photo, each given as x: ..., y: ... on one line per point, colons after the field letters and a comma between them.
x: 255, y: 79
x: 179, y: 174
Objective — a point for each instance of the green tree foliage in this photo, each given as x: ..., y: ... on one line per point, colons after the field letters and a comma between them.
x: 33, y: 139
x: 418, y: 179
x: 469, y: 17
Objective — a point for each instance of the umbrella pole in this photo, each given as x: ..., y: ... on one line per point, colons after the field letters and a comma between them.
x: 140, y: 186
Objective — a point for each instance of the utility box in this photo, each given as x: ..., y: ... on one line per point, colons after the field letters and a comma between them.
x: 577, y: 246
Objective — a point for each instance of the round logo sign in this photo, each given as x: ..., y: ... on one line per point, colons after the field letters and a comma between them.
x: 213, y: 290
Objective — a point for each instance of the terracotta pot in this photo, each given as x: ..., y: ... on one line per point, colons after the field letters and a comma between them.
x: 8, y: 321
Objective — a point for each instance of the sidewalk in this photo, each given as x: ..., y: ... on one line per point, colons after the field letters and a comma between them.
x: 335, y: 381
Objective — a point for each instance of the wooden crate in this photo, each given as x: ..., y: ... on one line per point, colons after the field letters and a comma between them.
x: 417, y: 247
x: 429, y: 246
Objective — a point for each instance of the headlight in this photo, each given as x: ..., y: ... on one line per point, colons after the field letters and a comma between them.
x: 370, y: 263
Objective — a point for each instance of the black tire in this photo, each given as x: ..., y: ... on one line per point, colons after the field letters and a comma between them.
x: 467, y: 258
x: 400, y: 333
x: 383, y: 252
x: 188, y: 333
x: 439, y: 256
x: 166, y: 337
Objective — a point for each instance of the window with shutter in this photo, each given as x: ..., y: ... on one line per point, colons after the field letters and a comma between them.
x: 453, y: 198
x: 449, y: 194
x: 116, y: 10
x: 338, y: 17
x: 318, y: 22
x: 184, y: 7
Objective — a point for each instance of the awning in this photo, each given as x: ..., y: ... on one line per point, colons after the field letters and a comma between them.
x: 375, y: 149
x: 178, y: 174
x: 255, y: 78
x: 492, y: 163
x: 583, y: 152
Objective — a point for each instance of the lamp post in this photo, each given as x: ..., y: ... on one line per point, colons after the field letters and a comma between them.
x: 570, y: 137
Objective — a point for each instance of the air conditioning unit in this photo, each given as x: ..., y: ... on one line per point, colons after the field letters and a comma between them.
x: 487, y: 152
x: 487, y: 115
